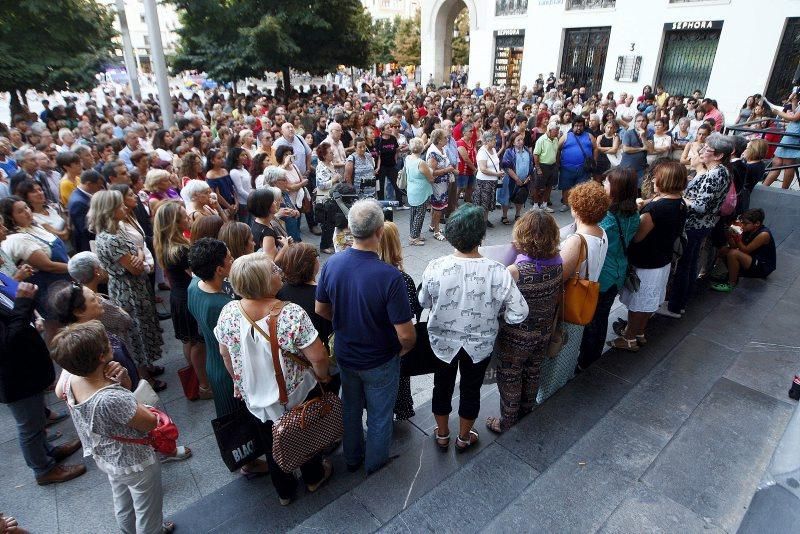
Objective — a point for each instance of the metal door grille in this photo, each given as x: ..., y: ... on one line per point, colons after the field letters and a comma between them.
x: 780, y: 82
x: 687, y: 60
x: 584, y: 57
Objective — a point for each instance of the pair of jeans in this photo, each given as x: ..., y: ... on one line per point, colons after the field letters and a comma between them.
x: 293, y: 228
x: 29, y: 414
x: 285, y: 483
x: 686, y: 271
x: 376, y: 390
x: 594, y: 333
x: 139, y: 500
x: 444, y: 382
x: 311, y: 218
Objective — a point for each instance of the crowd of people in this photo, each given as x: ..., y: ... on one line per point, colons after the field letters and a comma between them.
x: 102, y: 208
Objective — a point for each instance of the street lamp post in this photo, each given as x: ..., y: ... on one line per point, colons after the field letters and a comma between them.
x: 127, y: 52
x: 159, y: 62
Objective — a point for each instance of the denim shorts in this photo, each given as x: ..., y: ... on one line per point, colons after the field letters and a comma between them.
x: 569, y: 177
x: 465, y: 180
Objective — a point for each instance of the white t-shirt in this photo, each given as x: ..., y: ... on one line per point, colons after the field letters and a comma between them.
x: 492, y: 164
x: 21, y: 245
x: 597, y: 248
x: 52, y: 218
x: 241, y: 183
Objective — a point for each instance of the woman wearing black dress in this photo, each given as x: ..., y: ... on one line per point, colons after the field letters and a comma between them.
x: 391, y: 252
x: 172, y: 251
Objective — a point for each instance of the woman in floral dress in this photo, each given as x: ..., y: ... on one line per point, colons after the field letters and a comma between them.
x: 127, y: 282
x: 443, y: 170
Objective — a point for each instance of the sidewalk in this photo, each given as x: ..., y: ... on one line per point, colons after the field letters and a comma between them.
x: 674, y: 437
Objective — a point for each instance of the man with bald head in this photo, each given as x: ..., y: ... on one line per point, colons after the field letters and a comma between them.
x: 302, y: 158
x: 337, y: 147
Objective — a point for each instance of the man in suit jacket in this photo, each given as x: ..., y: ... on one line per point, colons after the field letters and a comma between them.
x: 91, y: 182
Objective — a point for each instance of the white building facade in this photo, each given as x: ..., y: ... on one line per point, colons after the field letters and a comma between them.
x: 389, y: 9
x: 726, y: 48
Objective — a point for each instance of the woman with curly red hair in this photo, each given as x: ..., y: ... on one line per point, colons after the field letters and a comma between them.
x: 583, y: 252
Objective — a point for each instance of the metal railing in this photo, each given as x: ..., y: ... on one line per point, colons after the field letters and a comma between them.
x: 744, y: 128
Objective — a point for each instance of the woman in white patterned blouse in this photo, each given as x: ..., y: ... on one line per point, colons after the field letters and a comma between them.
x: 465, y: 293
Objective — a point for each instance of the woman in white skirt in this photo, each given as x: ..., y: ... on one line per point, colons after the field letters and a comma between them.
x: 660, y: 224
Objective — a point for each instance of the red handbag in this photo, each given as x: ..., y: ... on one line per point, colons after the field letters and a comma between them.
x: 189, y: 382
x: 163, y: 438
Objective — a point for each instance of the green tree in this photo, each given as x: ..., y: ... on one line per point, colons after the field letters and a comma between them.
x: 461, y: 39
x: 252, y: 36
x: 382, y: 40
x: 407, y: 41
x: 209, y: 42
x: 51, y: 46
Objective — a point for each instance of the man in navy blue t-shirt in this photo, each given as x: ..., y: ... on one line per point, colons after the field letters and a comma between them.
x: 367, y: 302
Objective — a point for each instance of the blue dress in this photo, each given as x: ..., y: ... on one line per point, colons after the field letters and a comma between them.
x: 786, y: 152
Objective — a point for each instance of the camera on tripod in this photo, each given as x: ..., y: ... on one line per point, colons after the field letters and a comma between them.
x: 333, y: 209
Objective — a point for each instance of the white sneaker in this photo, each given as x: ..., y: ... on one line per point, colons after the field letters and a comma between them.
x: 663, y: 309
x: 563, y: 208
x: 547, y: 208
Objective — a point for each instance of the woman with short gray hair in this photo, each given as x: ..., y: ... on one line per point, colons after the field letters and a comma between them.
x: 420, y: 180
x: 704, y: 197
x: 488, y: 172
x: 127, y: 282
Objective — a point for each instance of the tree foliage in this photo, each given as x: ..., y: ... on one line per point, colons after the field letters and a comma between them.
x: 461, y: 39
x: 382, y: 40
x: 50, y: 46
x: 233, y: 39
x: 407, y: 46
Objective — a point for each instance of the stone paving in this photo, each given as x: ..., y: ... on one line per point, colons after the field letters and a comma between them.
x: 673, y: 438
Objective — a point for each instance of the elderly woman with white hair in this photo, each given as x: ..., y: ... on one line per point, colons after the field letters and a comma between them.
x: 158, y: 184
x: 198, y: 199
x: 420, y: 188
x: 128, y: 282
x: 276, y: 177
x: 86, y: 269
x: 488, y: 173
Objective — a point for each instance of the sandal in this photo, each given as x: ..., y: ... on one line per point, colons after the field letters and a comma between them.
x: 181, y: 453
x: 204, y: 393
x: 439, y: 236
x: 430, y: 229
x: 641, y: 340
x: 464, y: 444
x: 328, y: 467
x: 505, y: 221
x: 260, y: 469
x: 493, y: 424
x: 443, y: 442
x: 624, y: 344
x: 416, y: 243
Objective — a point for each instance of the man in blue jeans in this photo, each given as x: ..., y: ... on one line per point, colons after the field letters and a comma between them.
x: 367, y: 301
x: 25, y: 372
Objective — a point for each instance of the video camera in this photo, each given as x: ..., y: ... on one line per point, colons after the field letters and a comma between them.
x: 333, y: 210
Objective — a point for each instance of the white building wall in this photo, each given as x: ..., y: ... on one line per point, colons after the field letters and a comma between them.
x: 748, y: 44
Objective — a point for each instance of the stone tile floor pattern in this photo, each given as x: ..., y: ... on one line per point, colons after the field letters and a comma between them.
x: 673, y: 438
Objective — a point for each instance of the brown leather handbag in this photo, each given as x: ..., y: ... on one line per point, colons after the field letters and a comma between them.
x: 580, y: 293
x: 310, y: 427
